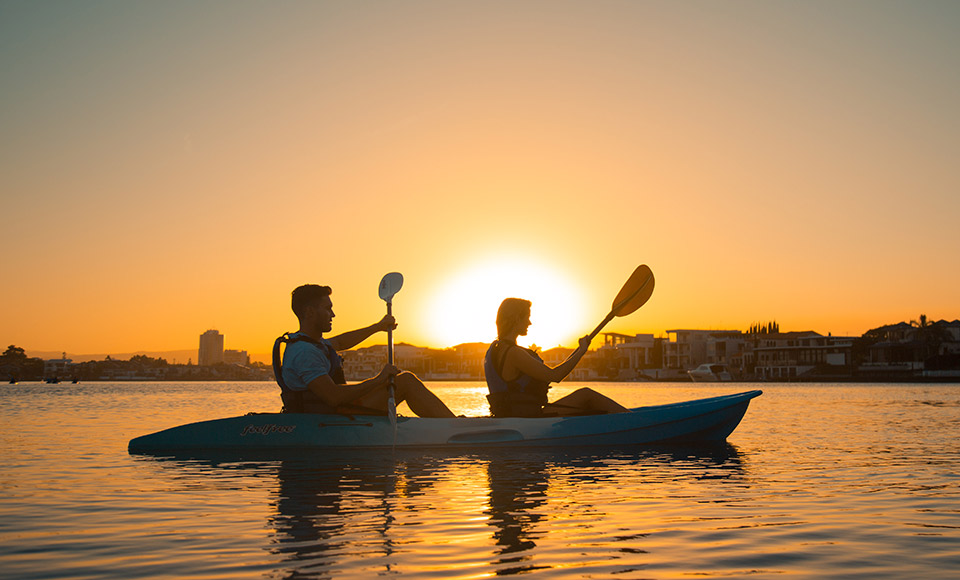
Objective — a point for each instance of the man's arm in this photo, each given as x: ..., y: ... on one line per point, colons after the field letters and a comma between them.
x: 335, y: 395
x: 350, y: 339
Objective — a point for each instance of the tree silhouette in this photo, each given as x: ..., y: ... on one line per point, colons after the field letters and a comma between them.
x: 15, y: 364
x: 931, y: 336
x: 13, y: 355
x: 769, y: 328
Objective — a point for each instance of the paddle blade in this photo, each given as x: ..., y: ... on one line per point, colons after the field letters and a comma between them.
x: 635, y: 293
x: 390, y: 285
x: 392, y: 410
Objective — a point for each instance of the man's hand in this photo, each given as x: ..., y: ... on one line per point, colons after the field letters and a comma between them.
x: 388, y: 322
x: 387, y: 372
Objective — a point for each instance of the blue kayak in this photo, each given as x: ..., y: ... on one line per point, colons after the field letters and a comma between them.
x: 700, y: 421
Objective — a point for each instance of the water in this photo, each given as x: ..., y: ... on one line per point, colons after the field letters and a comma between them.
x: 841, y: 481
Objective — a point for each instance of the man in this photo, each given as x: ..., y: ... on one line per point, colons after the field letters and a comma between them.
x: 311, y: 376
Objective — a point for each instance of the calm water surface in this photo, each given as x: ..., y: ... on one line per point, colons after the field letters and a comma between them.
x: 836, y: 481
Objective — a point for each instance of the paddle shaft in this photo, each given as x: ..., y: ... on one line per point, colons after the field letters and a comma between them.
x: 390, y: 336
x: 390, y: 349
x: 600, y: 326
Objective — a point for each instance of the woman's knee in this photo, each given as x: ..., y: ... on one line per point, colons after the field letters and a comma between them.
x: 591, y: 399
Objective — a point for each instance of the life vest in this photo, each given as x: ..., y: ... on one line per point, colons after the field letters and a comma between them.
x: 306, y: 401
x: 521, y: 397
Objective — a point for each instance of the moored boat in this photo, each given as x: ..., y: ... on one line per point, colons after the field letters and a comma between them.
x: 699, y: 421
x: 710, y: 373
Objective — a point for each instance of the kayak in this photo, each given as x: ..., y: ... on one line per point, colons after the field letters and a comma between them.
x: 708, y: 420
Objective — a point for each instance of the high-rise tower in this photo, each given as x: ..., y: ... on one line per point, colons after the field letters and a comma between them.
x: 211, y: 348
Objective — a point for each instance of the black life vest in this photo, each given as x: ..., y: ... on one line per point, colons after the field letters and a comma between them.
x: 521, y: 397
x: 306, y: 401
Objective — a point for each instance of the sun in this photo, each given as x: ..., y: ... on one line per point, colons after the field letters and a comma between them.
x: 464, y: 309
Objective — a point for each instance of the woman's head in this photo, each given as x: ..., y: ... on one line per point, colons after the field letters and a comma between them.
x: 511, y: 312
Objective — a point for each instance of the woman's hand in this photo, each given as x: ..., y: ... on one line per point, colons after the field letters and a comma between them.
x: 584, y: 344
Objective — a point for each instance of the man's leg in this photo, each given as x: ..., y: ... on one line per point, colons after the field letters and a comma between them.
x: 420, y: 399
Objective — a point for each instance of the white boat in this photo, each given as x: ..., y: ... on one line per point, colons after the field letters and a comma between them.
x: 710, y: 373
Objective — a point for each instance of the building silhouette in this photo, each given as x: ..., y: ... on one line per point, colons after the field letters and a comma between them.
x: 236, y: 357
x: 211, y: 348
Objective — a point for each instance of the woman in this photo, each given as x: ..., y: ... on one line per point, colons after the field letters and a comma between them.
x: 518, y: 379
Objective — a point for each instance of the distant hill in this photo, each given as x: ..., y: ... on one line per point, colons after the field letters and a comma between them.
x: 179, y: 356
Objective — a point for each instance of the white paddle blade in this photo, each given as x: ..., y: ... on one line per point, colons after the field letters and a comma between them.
x: 390, y: 285
x: 635, y: 292
x: 392, y: 410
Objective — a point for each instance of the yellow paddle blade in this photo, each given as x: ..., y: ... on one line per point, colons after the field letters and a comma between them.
x: 635, y: 292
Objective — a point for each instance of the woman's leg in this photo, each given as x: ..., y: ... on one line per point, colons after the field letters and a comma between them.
x: 584, y: 400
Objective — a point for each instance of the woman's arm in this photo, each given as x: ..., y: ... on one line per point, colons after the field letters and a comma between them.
x: 521, y: 361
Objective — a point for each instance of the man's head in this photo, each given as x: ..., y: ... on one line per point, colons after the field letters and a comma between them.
x: 313, y: 306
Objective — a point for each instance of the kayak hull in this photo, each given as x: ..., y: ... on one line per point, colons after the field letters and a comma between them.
x: 701, y: 421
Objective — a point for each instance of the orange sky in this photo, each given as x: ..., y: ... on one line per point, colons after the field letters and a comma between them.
x: 171, y: 167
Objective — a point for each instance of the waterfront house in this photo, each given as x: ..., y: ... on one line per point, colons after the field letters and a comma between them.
x: 906, y: 351
x: 687, y: 349
x: 58, y: 368
x: 807, y: 354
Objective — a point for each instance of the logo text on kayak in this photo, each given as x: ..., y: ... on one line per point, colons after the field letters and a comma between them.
x: 267, y: 429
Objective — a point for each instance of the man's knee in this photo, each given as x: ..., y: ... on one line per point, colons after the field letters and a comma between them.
x: 407, y: 381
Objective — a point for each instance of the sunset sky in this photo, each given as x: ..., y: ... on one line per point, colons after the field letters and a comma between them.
x: 171, y: 167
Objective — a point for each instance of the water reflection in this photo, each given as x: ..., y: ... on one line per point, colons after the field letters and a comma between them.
x: 382, y: 512
x: 520, y: 486
x: 345, y: 506
x: 311, y: 518
x: 308, y: 521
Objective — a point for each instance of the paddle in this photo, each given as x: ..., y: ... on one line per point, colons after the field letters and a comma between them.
x: 389, y: 286
x: 633, y: 295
